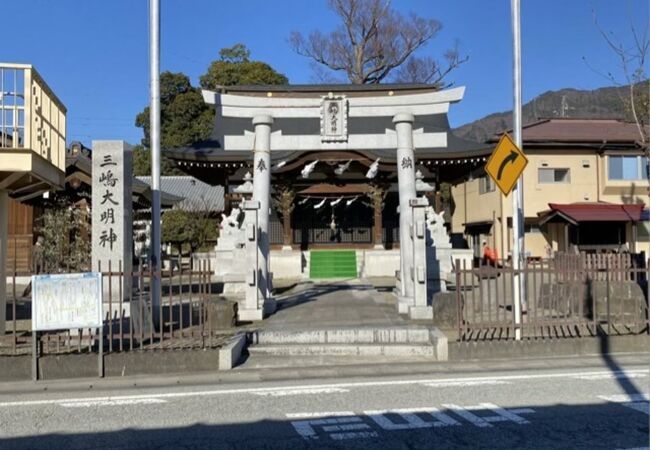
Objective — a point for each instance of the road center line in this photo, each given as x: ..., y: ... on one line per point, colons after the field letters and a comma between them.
x: 170, y: 395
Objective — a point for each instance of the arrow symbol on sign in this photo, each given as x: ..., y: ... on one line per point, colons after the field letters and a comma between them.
x: 511, y: 158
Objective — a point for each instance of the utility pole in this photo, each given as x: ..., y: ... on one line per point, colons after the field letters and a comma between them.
x: 154, y: 122
x: 517, y: 193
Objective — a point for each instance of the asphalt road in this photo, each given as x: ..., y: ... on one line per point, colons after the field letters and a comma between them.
x: 568, y: 407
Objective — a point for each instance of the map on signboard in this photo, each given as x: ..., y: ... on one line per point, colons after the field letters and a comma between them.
x: 506, y: 164
x: 66, y: 301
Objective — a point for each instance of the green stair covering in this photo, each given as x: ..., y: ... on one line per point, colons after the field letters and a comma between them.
x: 333, y: 264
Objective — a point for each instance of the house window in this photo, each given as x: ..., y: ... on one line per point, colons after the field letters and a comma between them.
x: 485, y: 185
x: 628, y: 168
x: 553, y: 176
x: 531, y: 229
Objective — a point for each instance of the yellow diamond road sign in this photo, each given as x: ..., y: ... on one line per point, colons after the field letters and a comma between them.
x: 506, y: 164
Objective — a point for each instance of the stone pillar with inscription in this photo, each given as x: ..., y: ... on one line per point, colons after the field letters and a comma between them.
x: 406, y: 183
x: 262, y: 194
x: 112, y: 220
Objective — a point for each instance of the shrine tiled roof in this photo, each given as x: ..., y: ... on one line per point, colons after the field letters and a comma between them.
x: 194, y: 195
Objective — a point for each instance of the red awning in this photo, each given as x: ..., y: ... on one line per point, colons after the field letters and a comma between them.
x: 594, y: 212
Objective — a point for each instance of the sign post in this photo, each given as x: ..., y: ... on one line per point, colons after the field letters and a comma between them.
x: 505, y: 167
x: 518, y: 196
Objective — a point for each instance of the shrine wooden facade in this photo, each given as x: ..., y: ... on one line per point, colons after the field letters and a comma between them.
x: 349, y: 198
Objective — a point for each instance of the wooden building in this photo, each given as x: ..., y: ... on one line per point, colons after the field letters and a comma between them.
x: 25, y: 213
x: 349, y: 196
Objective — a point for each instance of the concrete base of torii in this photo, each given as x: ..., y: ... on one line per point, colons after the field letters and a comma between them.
x: 255, y: 315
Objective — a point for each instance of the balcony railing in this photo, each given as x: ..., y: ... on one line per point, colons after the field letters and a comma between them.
x: 31, y: 115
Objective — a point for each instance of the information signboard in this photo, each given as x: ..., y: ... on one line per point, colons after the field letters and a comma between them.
x: 67, y: 301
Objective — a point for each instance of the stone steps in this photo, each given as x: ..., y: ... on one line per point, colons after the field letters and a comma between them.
x: 394, y: 350
x: 333, y: 264
x: 388, y: 335
x: 344, y: 346
x: 326, y: 363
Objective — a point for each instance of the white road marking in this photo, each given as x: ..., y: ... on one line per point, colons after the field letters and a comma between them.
x: 169, y: 395
x: 502, y: 414
x: 642, y: 407
x: 637, y: 402
x: 313, y: 415
x: 346, y: 427
x: 610, y: 376
x: 620, y: 398
x: 467, y: 415
x: 89, y: 404
x: 466, y: 383
x: 306, y: 428
x: 341, y: 425
x: 356, y: 435
x: 287, y: 392
x: 412, y: 420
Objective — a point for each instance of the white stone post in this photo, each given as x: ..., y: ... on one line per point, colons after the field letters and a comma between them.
x: 4, y: 223
x: 252, y: 307
x: 262, y: 194
x: 421, y: 310
x: 406, y: 183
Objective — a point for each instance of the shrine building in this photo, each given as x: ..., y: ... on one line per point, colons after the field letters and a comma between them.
x: 333, y: 160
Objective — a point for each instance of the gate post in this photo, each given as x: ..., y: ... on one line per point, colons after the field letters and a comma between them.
x: 406, y: 183
x: 252, y: 307
x: 420, y: 310
x: 262, y: 194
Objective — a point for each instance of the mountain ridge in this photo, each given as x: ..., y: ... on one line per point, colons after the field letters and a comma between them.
x: 602, y: 103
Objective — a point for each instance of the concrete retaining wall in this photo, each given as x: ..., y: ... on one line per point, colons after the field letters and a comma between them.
x: 156, y: 362
x: 548, y: 348
x: 380, y: 263
x: 286, y: 264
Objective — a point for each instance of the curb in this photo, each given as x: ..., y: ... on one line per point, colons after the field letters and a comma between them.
x: 230, y: 354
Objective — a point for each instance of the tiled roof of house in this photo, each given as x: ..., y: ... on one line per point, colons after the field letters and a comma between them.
x: 580, y: 130
x: 197, y: 195
x: 594, y: 212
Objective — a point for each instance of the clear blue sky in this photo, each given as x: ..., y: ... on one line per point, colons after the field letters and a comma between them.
x: 94, y: 53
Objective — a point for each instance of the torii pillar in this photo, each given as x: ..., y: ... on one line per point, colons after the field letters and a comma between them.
x: 260, y: 302
x: 406, y: 183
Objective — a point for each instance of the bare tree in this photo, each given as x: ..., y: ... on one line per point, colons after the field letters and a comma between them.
x: 372, y: 41
x: 428, y: 70
x: 633, y: 58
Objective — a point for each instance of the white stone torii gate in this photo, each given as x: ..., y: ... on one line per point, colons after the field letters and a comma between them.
x: 334, y: 112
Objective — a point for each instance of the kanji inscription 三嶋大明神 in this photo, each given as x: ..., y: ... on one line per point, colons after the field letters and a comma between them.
x: 107, y: 178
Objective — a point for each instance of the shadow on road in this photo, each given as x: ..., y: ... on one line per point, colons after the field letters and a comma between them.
x: 599, y: 425
x: 630, y: 389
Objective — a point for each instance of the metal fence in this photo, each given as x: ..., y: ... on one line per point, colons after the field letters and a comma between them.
x: 185, y: 318
x: 567, y: 296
